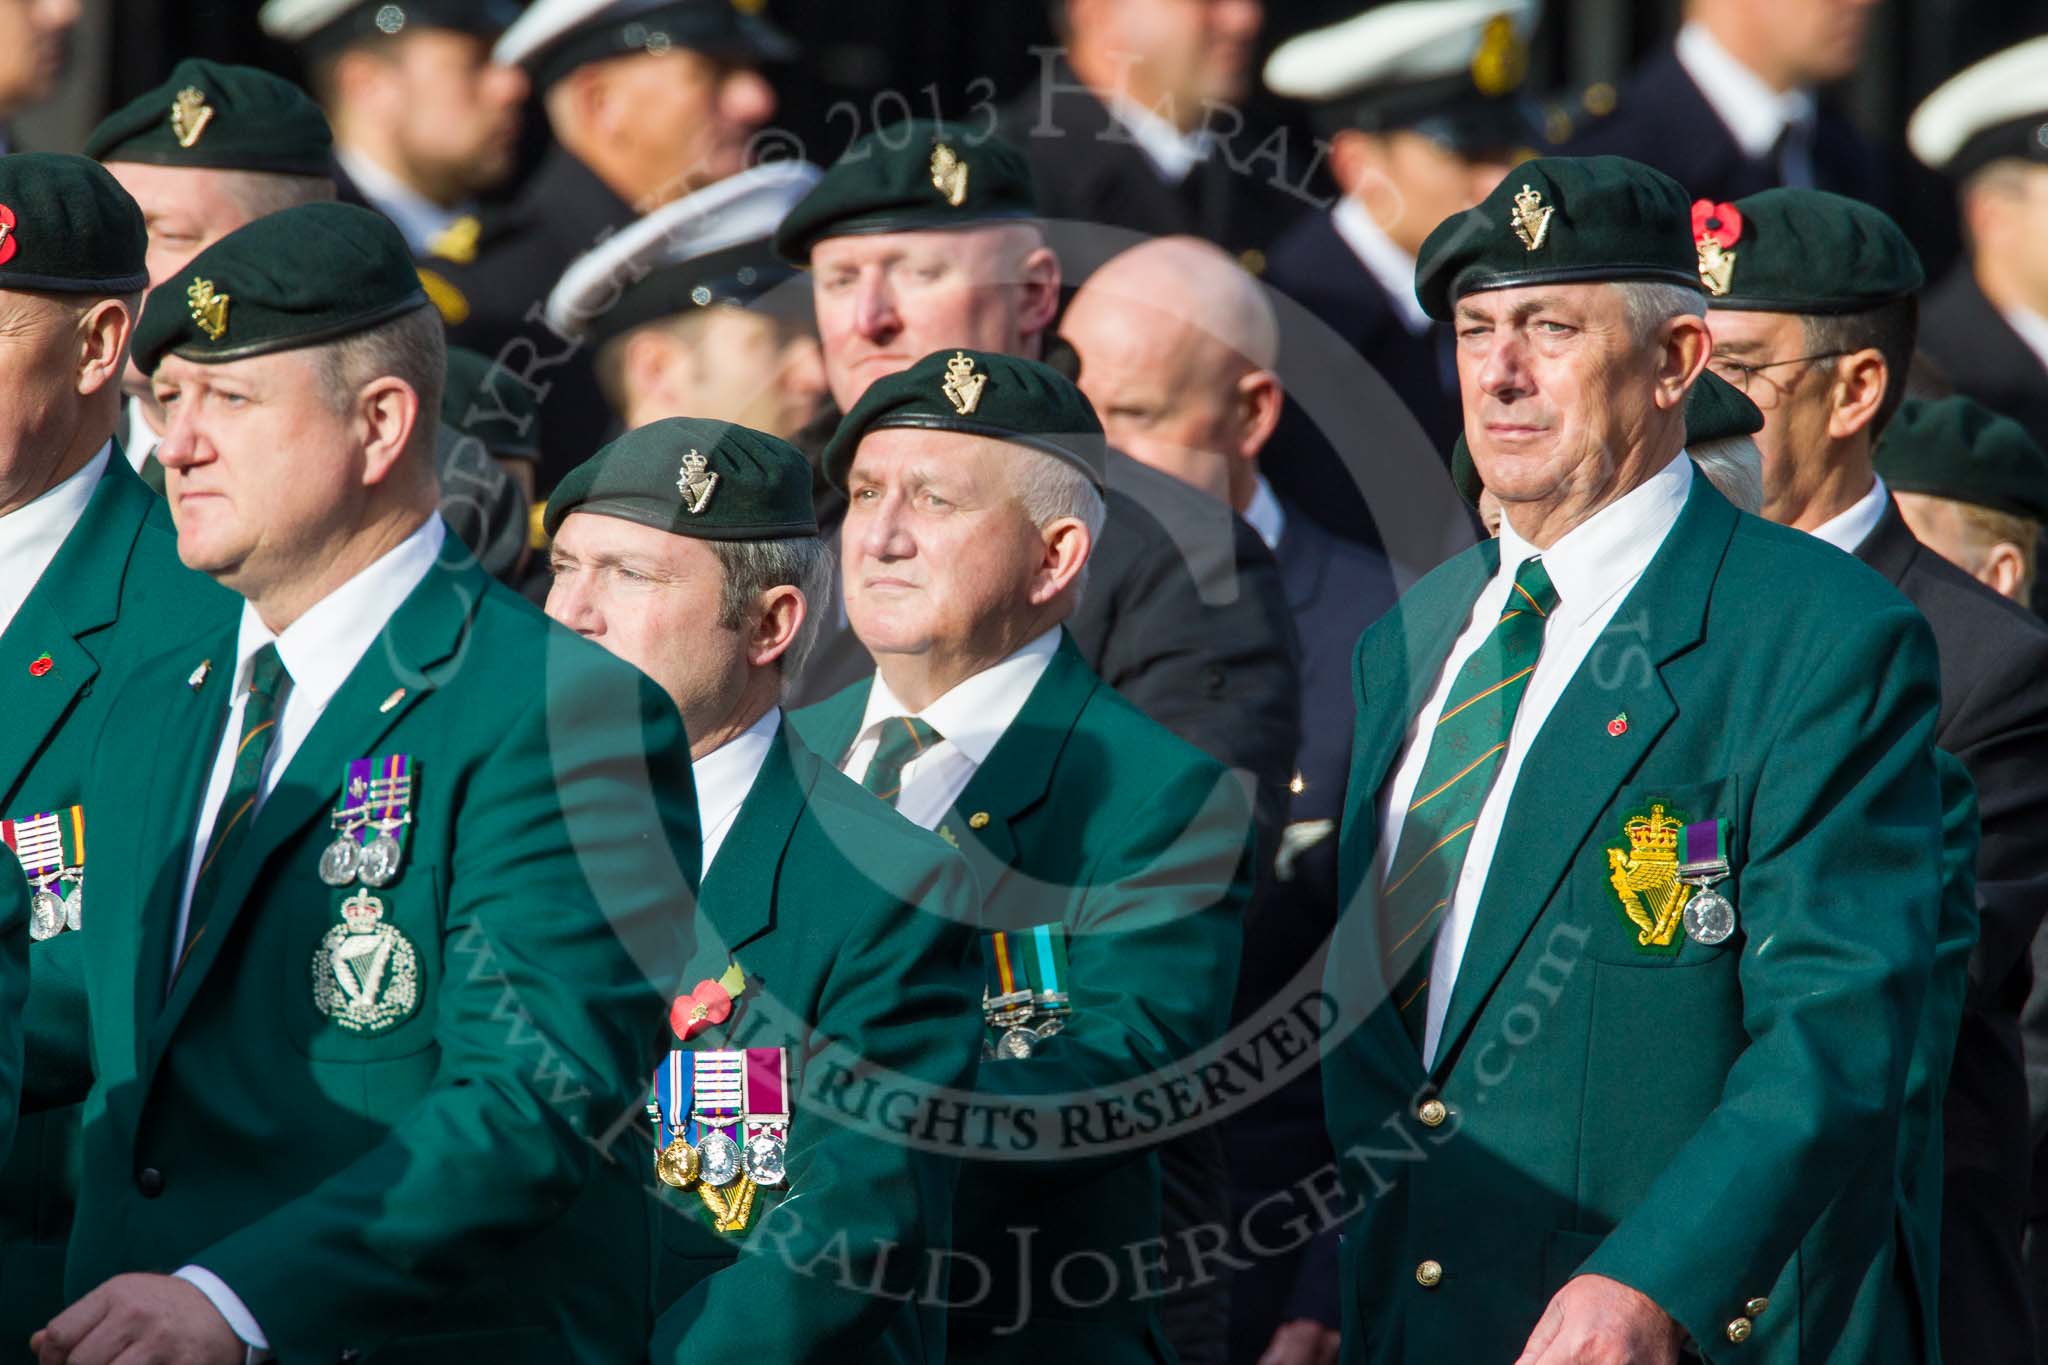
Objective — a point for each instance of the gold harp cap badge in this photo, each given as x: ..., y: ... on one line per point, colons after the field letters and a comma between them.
x: 1531, y: 220
x: 949, y: 174
x: 696, y: 483
x: 962, y: 386
x: 209, y: 309
x: 190, y: 113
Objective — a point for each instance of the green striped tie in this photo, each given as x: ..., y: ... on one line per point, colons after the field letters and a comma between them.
x: 268, y: 682
x: 903, y: 739
x: 1465, y: 753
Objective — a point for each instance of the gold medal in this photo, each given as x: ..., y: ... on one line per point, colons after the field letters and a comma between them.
x: 676, y: 1164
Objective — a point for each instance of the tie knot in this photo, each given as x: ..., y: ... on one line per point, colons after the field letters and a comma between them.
x: 906, y: 735
x: 1532, y: 590
x: 266, y: 671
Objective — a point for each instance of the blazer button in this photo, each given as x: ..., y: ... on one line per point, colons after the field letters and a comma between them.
x: 1755, y: 1307
x: 1433, y: 1113
x: 150, y: 1181
x: 1739, y: 1330
x: 1429, y: 1274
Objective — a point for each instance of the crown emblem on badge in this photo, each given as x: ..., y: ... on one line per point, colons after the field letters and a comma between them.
x: 1716, y: 228
x: 962, y: 386
x: 190, y: 113
x: 949, y: 174
x: 1502, y: 61
x: 696, y: 483
x: 209, y: 310
x: 1531, y: 220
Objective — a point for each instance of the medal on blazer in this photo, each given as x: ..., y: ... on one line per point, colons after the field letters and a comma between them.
x: 675, y: 1161
x: 718, y: 1109
x: 1025, y: 1001
x: 370, y: 823
x: 1709, y: 915
x: 765, y: 1155
x: 366, y: 975
x: 51, y: 848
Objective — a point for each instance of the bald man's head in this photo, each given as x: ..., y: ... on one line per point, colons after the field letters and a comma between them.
x: 1177, y: 347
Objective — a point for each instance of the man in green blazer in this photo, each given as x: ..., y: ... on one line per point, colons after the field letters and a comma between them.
x: 1642, y: 860
x: 1114, y: 858
x: 392, y: 923
x: 93, y: 587
x: 834, y: 938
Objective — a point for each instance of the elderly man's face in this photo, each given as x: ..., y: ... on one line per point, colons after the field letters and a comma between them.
x: 1557, y: 390
x: 885, y: 300
x: 35, y: 40
x: 454, y: 112
x: 261, y: 469
x: 39, y: 351
x: 652, y: 599
x: 1166, y: 393
x: 938, y: 552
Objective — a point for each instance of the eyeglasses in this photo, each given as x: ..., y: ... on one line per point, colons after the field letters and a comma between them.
x: 1740, y: 375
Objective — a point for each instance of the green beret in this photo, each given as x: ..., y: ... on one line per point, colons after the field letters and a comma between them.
x: 691, y: 476
x: 487, y: 401
x: 68, y: 227
x: 1561, y: 220
x: 911, y: 176
x: 307, y: 275
x: 1802, y: 251
x: 979, y: 393
x: 1714, y: 411
x: 228, y: 118
x: 1959, y: 449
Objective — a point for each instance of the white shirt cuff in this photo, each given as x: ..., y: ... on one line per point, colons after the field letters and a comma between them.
x: 230, y: 1306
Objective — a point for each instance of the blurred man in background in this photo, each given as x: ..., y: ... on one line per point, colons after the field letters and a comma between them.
x: 35, y: 42
x: 646, y: 103
x: 1131, y: 122
x: 424, y: 121
x: 1732, y: 106
x: 1177, y: 347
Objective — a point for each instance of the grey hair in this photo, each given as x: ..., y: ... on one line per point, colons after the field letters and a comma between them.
x: 1049, y: 488
x: 1652, y: 303
x: 412, y: 348
x: 1734, y: 465
x: 753, y: 567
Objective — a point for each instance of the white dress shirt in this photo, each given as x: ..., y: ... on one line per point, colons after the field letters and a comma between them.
x: 1173, y: 154
x: 1392, y: 268
x: 418, y: 219
x: 970, y: 719
x: 319, y: 651
x: 2032, y: 329
x: 725, y: 776
x: 1593, y: 567
x: 32, y: 533
x: 1851, y: 526
x: 1753, y: 113
x: 1265, y: 515
x: 138, y: 442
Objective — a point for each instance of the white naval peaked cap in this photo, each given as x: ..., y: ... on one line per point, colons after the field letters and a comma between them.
x: 612, y: 284
x: 298, y: 21
x: 1401, y: 43
x: 1995, y: 108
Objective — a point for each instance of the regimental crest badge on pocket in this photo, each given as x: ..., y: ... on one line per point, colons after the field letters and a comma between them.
x: 366, y: 975
x: 1664, y: 871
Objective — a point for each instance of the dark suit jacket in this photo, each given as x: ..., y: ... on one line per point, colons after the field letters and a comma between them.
x: 493, y: 304
x: 1981, y: 355
x: 1662, y: 119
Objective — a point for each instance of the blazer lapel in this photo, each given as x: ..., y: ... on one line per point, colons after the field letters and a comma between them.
x: 1576, y: 765
x: 417, y: 650
x: 79, y: 594
x: 740, y: 888
x: 1018, y: 771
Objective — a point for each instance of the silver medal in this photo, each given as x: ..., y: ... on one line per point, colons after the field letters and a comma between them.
x: 1709, y: 917
x: 1016, y: 1043
x: 378, y: 865
x: 764, y: 1159
x: 45, y: 915
x: 74, y: 908
x: 338, y: 863
x: 718, y: 1160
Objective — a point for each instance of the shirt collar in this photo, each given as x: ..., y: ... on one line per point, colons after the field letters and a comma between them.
x: 2032, y: 329
x: 726, y: 774
x: 1609, y: 550
x: 976, y: 712
x: 1392, y: 268
x: 1264, y: 513
x: 1172, y: 153
x: 323, y: 646
x: 1752, y: 111
x: 418, y: 219
x: 141, y: 442
x: 1851, y: 526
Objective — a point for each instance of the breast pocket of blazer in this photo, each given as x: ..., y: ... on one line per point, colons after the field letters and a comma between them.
x: 1649, y: 861
x: 367, y: 962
